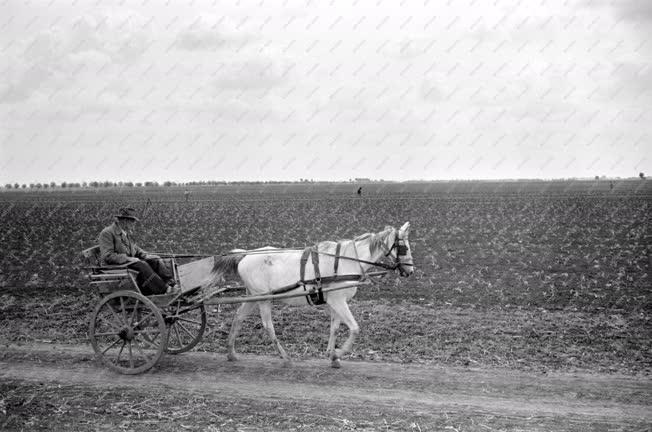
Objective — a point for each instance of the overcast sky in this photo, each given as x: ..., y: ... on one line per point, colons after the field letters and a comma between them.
x: 329, y: 90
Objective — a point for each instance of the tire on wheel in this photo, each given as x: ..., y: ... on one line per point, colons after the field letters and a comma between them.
x: 128, y: 332
x: 185, y: 327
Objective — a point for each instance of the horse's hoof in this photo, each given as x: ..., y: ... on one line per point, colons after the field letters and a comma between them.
x: 232, y: 357
x: 287, y: 363
x: 335, y: 363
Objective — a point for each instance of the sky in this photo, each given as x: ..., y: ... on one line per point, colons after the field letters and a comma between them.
x: 326, y: 90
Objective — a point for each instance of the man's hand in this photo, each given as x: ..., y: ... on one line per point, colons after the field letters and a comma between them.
x: 132, y: 260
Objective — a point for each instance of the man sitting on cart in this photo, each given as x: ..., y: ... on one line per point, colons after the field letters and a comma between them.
x: 118, y: 247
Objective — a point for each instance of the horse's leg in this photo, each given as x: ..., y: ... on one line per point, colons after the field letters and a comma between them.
x: 335, y: 324
x: 266, y: 316
x: 341, y: 308
x: 243, y: 311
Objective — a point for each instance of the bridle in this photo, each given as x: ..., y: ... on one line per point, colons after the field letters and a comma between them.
x: 401, y: 250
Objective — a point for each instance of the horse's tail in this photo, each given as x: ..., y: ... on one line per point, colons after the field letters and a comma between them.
x: 223, y: 265
x: 228, y: 264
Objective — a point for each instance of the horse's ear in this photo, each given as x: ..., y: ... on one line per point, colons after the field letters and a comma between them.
x: 405, y: 229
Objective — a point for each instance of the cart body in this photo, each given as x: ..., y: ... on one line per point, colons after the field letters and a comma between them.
x: 130, y: 332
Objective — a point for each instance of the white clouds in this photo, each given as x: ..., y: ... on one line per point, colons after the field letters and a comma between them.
x: 123, y: 37
x: 635, y: 10
x: 62, y: 57
x: 255, y: 72
x: 211, y: 32
x: 98, y: 48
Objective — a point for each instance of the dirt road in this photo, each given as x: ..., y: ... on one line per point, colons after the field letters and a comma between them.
x: 423, y: 397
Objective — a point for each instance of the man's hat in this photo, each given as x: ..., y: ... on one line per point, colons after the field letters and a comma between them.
x: 127, y: 213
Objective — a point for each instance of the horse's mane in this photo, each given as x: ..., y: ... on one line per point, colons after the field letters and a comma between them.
x: 376, y: 240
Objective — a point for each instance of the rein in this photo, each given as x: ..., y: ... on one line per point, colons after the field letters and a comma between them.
x: 374, y: 263
x: 272, y: 251
x: 399, y: 248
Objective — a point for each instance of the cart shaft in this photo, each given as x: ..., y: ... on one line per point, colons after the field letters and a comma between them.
x: 266, y: 297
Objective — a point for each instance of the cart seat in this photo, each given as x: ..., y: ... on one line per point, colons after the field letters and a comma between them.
x: 92, y: 258
x: 111, y: 278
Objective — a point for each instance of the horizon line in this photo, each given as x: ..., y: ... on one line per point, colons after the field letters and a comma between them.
x: 172, y: 183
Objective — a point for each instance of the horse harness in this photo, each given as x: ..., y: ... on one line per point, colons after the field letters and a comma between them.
x: 316, y: 296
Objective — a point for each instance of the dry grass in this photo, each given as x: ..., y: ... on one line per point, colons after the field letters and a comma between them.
x: 51, y: 406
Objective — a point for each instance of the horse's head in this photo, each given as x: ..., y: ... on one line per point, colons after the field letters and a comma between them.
x: 398, y: 248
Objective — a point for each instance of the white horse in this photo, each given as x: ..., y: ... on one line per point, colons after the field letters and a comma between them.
x: 267, y: 269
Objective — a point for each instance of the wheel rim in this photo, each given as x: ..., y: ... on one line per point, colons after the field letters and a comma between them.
x: 128, y: 332
x: 185, y: 328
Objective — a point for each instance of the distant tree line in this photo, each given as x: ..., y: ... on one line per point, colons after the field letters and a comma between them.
x: 168, y: 183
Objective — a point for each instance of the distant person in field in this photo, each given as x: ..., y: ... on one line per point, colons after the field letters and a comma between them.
x: 360, y: 190
x: 186, y: 194
x: 118, y: 247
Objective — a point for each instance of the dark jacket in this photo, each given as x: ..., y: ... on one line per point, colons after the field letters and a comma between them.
x: 116, y: 246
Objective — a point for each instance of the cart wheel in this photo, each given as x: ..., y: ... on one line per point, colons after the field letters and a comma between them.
x: 185, y: 326
x: 127, y: 332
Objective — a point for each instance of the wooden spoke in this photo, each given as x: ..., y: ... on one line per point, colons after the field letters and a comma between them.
x: 149, y: 343
x: 111, y: 346
x: 176, y: 332
x: 192, y: 336
x: 189, y: 320
x: 107, y: 322
x: 145, y: 318
x: 131, y: 357
x: 117, y: 318
x: 124, y: 313
x: 171, y: 335
x: 107, y: 334
x: 134, y: 313
x: 121, y: 349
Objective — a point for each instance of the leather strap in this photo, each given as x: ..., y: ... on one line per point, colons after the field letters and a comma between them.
x: 357, y: 258
x: 302, y: 266
x: 314, y: 254
x: 337, y: 258
x: 318, y: 297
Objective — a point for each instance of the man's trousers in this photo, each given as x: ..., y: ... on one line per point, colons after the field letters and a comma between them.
x: 153, y: 276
